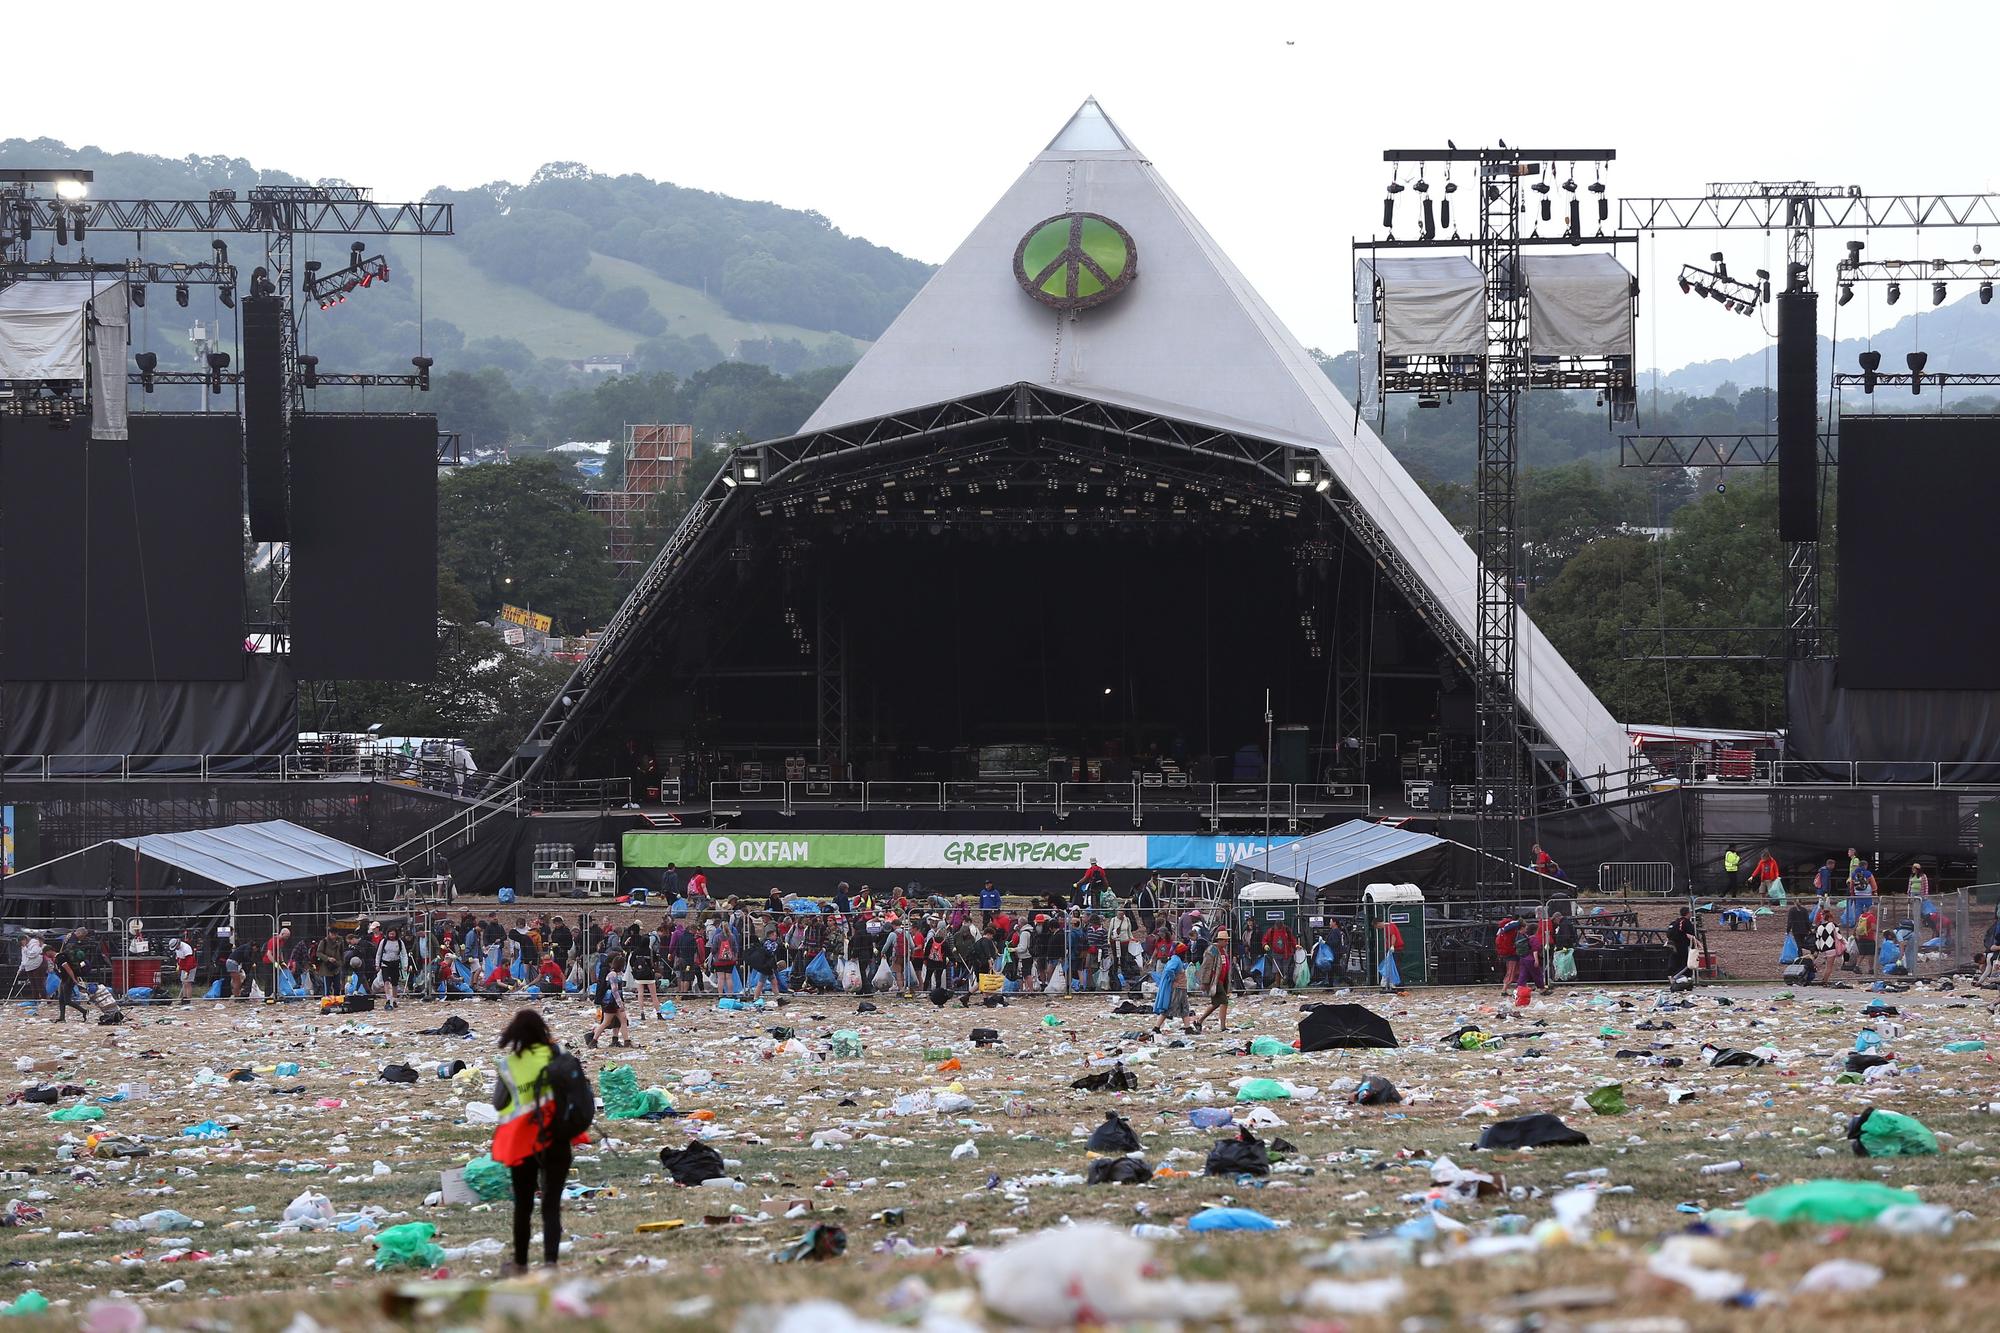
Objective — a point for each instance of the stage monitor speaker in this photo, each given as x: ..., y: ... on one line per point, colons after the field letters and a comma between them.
x: 266, y: 464
x: 123, y: 558
x: 1798, y: 416
x: 364, y: 547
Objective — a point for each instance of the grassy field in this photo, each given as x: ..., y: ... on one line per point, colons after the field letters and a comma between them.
x: 1358, y: 1171
x: 482, y: 306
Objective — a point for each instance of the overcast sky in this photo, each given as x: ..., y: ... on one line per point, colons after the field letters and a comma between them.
x: 903, y: 123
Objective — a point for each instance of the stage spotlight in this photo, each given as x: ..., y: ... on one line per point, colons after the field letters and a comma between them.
x: 1701, y: 290
x: 423, y: 365
x: 77, y: 224
x: 62, y: 228
x: 1302, y: 476
x: 310, y: 365
x: 217, y: 363
x: 1854, y: 249
x: 1721, y: 269
x: 1916, y: 362
x: 180, y: 293
x: 1686, y: 286
x: 228, y: 295
x: 221, y: 251
x: 1764, y: 283
x: 1895, y: 292
x: 1986, y: 293
x: 1395, y: 187
x: 1871, y: 361
x: 729, y: 481
x: 148, y: 363
x: 72, y: 188
x: 1323, y: 485
x: 1388, y: 215
x: 139, y: 295
x: 1937, y: 293
x: 1846, y: 293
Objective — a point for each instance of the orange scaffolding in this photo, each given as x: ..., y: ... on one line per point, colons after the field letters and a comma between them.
x: 656, y: 459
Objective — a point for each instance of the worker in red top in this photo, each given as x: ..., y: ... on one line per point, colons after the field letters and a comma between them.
x: 1088, y: 885
x: 1278, y: 944
x: 1764, y: 872
x: 1506, y: 948
x: 1392, y: 942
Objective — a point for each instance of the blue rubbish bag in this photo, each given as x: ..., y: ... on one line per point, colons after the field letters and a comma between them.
x: 1391, y: 974
x: 820, y: 972
x: 519, y: 971
x: 288, y: 986
x: 52, y: 985
x: 1230, y: 1219
x: 1790, y: 952
x: 531, y: 990
x: 1323, y: 955
x: 215, y: 991
x: 680, y: 907
x: 506, y: 894
x: 139, y: 993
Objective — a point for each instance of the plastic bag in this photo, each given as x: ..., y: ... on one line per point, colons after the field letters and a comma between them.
x: 1118, y: 1171
x: 78, y: 1112
x: 1391, y: 975
x: 1607, y: 1100
x: 1230, y: 1219
x: 1563, y: 966
x: 1828, y: 1201
x: 486, y: 1178
x: 1789, y: 951
x: 1113, y: 1136
x: 1263, y: 1090
x: 1271, y: 1046
x: 408, y: 1246
x: 1243, y: 1155
x: 1879, y: 1133
x: 618, y: 1085
x: 693, y: 1164
x: 1092, y: 1273
x: 820, y: 972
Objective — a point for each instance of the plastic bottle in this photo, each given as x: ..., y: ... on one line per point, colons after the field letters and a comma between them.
x: 1150, y: 1231
x: 1722, y: 1168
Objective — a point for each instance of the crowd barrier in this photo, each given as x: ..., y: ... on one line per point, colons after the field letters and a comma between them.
x: 1617, y: 942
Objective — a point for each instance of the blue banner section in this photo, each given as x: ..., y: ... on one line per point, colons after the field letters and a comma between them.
x: 1184, y: 852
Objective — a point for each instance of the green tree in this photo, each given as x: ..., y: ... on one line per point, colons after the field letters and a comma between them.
x: 520, y: 532
x: 482, y: 404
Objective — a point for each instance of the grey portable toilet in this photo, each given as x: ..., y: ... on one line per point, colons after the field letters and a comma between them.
x: 1402, y: 904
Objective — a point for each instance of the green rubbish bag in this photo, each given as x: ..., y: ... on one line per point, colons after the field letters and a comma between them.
x: 1562, y: 965
x: 488, y: 1179
x: 1607, y: 1100
x: 78, y: 1112
x: 1271, y: 1046
x: 1263, y: 1090
x: 1827, y: 1201
x: 1302, y: 975
x: 1878, y: 1133
x: 28, y: 1302
x: 624, y: 1099
x: 408, y: 1246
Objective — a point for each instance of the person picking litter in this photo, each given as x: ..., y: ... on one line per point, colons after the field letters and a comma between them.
x: 533, y: 1140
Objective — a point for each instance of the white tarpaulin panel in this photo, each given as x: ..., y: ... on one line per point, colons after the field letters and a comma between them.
x: 1433, y: 305
x: 1578, y: 305
x: 44, y: 330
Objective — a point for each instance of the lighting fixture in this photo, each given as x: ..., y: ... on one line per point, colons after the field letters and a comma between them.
x: 729, y: 481
x: 62, y: 227
x: 1323, y: 485
x: 423, y: 365
x: 310, y: 365
x: 1937, y: 293
x: 180, y: 293
x: 1916, y: 362
x: 1986, y: 293
x: 228, y: 295
x: 1871, y: 362
x: 217, y: 363
x: 1895, y: 292
x: 1686, y: 286
x: 1846, y: 293
x: 1302, y: 476
x: 71, y: 188
x: 139, y: 295
x: 148, y: 363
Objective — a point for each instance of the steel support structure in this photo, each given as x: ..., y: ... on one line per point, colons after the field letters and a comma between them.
x: 1688, y: 451
x: 830, y: 680
x: 1497, y: 721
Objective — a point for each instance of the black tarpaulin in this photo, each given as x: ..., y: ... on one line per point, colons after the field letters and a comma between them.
x: 1896, y: 735
x: 109, y: 726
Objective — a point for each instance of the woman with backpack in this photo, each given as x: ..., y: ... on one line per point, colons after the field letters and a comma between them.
x: 645, y: 972
x: 537, y: 1102
x: 611, y: 1004
x: 937, y: 958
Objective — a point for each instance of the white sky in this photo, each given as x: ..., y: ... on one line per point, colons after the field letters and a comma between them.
x: 904, y: 122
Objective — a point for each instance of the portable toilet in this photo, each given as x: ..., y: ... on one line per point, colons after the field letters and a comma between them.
x: 1261, y: 906
x: 1402, y: 904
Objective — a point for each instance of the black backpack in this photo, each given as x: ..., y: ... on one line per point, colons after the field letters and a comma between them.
x: 575, y: 1104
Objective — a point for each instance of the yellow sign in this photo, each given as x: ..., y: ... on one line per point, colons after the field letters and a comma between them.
x: 539, y: 624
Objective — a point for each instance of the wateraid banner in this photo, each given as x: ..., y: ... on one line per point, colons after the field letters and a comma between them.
x: 1203, y: 853
x: 1015, y: 851
x: 716, y: 851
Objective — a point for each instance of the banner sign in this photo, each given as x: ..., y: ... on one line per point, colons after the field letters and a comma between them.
x: 527, y: 619
x: 1203, y: 853
x: 1015, y: 851
x: 6, y: 840
x: 722, y: 851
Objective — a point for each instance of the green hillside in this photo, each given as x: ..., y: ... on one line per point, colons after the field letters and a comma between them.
x: 457, y: 291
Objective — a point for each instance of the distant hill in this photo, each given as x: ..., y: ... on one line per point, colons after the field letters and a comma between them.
x: 570, y: 265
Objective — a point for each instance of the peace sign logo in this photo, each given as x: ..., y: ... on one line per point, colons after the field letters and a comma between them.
x: 1074, y: 261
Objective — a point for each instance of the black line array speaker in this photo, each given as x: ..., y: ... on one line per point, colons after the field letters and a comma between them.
x: 267, y: 466
x: 1798, y: 416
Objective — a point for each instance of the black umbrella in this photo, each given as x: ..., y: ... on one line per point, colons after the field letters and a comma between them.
x: 1330, y: 1027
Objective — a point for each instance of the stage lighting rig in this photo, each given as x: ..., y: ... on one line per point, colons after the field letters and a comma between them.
x: 217, y: 363
x: 1715, y: 284
x: 331, y: 289
x: 148, y: 363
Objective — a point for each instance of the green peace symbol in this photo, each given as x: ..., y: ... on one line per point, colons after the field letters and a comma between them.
x: 1075, y: 260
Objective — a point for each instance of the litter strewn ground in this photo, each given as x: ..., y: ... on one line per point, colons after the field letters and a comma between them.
x: 249, y: 1159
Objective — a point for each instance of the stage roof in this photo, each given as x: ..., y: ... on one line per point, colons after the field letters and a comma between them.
x: 1342, y: 852
x: 1186, y: 337
x: 271, y: 855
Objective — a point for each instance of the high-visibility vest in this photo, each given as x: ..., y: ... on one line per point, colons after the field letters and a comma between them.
x: 518, y: 1136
